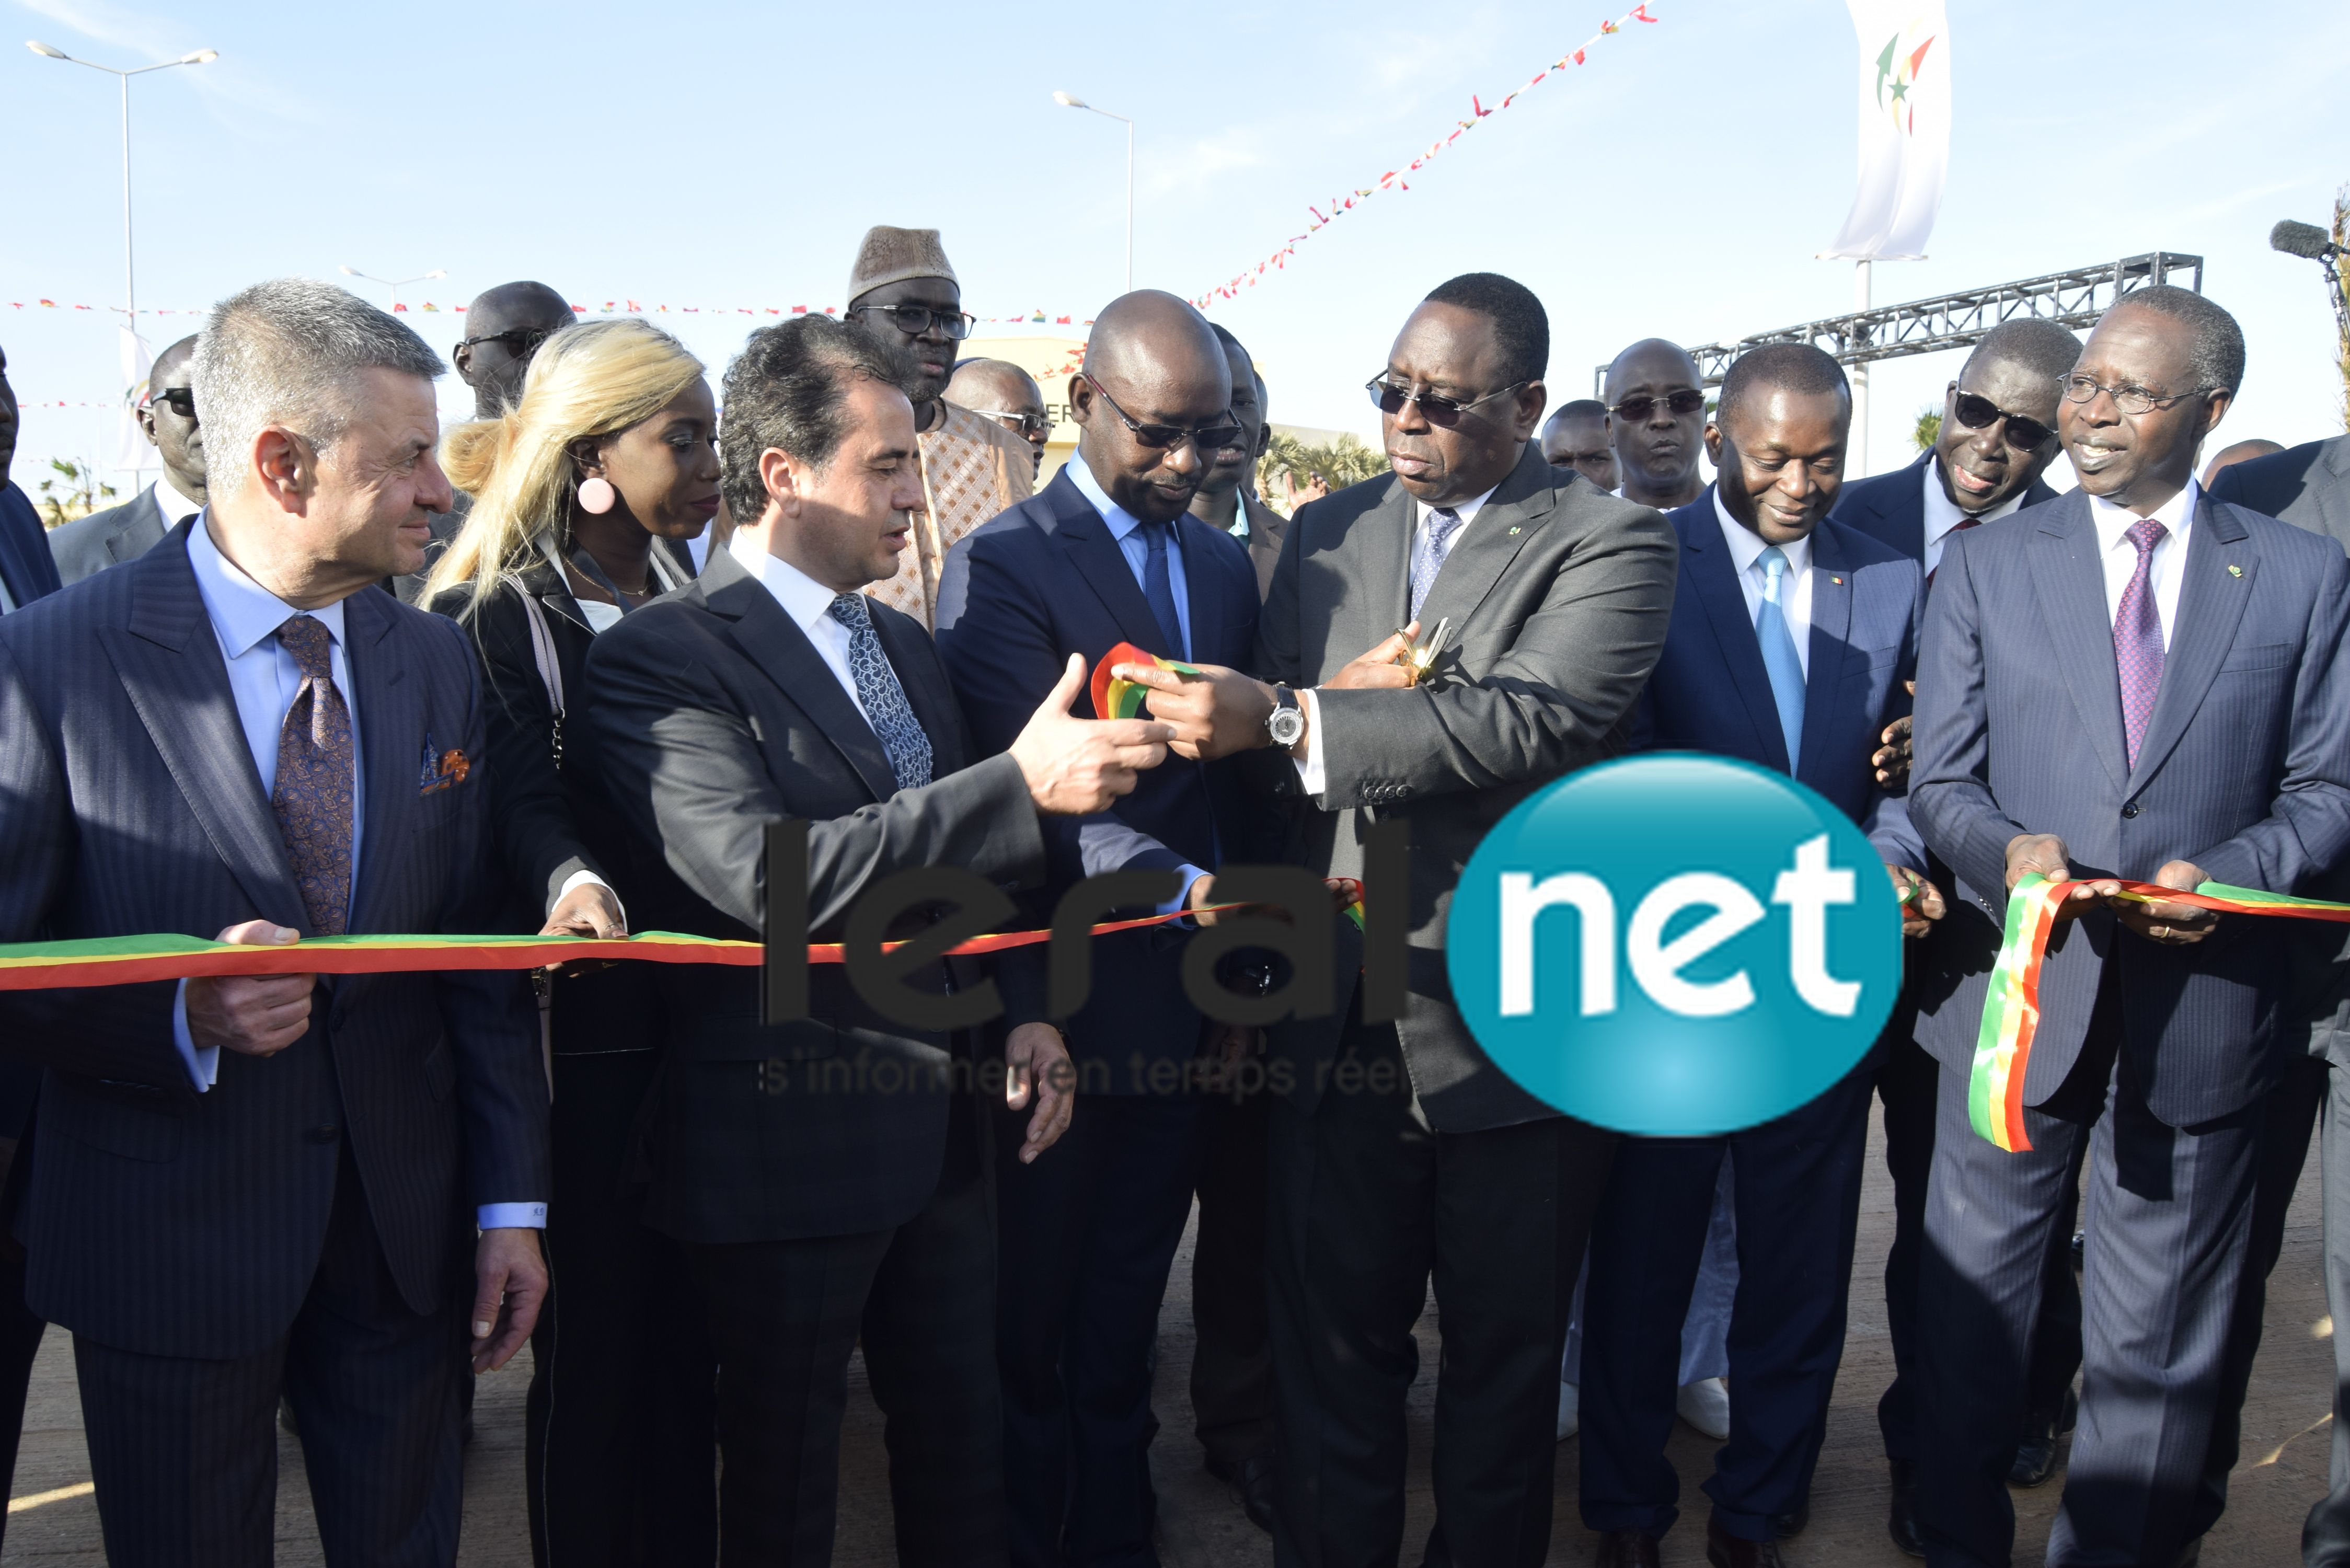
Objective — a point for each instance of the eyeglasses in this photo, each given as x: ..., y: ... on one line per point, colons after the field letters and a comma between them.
x: 181, y: 401
x: 913, y: 320
x: 1981, y: 413
x: 521, y: 342
x: 1636, y: 411
x: 1435, y: 409
x: 1029, y: 425
x: 1206, y: 439
x: 2127, y: 400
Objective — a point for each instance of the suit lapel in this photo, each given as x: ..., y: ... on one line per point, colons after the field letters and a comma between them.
x: 124, y: 543
x: 1715, y: 578
x: 771, y: 640
x: 1831, y: 639
x: 1502, y: 528
x: 170, y: 668
x: 1202, y: 589
x: 2210, y: 605
x: 1087, y: 537
x: 393, y: 745
x: 1371, y: 595
x: 2069, y: 585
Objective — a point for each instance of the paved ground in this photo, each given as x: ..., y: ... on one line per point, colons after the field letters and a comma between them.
x: 2282, y: 1473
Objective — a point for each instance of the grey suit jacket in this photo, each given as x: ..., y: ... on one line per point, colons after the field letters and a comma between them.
x: 715, y: 715
x: 87, y: 546
x: 2244, y: 770
x: 1559, y: 596
x: 2307, y: 486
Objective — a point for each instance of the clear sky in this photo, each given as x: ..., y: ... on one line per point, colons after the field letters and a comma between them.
x: 724, y: 154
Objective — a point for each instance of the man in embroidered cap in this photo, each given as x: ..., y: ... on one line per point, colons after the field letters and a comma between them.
x: 902, y: 291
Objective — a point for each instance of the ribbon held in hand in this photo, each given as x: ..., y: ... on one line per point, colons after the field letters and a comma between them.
x: 1115, y: 699
x: 2012, y: 1008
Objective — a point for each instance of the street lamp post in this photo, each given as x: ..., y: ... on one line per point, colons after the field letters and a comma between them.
x: 395, y: 283
x: 1070, y: 100
x: 196, y: 57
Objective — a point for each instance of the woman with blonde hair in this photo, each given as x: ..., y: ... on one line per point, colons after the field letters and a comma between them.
x: 586, y: 493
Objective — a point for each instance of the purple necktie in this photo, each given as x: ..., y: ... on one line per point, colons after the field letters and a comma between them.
x: 2138, y: 637
x: 315, y: 784
x: 1960, y: 526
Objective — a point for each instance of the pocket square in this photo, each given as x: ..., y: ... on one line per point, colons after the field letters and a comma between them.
x: 443, y: 771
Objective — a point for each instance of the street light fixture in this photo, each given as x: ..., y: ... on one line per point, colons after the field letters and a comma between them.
x: 395, y: 283
x: 1071, y: 101
x: 194, y: 58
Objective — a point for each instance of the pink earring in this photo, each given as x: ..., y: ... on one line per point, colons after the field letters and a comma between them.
x: 596, y: 495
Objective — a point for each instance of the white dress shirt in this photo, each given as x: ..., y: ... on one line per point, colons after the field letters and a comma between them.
x: 264, y: 680
x: 175, y: 508
x: 1746, y: 547
x: 809, y: 604
x: 1126, y: 529
x: 1943, y: 514
x: 2119, y: 556
x: 1310, y: 775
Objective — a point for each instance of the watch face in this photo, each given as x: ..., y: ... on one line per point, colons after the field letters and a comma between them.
x: 1286, y: 724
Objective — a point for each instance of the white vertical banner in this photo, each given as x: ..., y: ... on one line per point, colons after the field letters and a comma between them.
x: 1905, y: 129
x: 133, y: 450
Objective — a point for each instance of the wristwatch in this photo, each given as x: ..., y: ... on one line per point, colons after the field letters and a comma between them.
x: 1287, y: 722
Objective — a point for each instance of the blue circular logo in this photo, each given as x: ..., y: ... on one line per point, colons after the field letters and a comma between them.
x: 1675, y: 945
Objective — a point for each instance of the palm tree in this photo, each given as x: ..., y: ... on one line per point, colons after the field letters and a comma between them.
x: 1927, y: 430
x: 1312, y: 470
x: 82, y: 490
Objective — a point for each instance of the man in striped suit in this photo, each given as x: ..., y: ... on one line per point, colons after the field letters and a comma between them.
x: 2131, y: 681
x: 263, y: 1185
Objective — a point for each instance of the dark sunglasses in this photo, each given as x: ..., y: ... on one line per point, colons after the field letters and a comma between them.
x: 1636, y: 411
x: 1029, y: 425
x: 1207, y: 438
x: 1435, y: 409
x: 181, y: 401
x: 521, y: 342
x: 1981, y: 413
x: 913, y: 320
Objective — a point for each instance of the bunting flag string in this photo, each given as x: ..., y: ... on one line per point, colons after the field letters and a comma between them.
x: 2011, y: 1018
x: 1399, y: 178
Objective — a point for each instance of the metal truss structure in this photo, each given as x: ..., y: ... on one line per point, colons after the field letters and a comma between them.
x: 2071, y: 299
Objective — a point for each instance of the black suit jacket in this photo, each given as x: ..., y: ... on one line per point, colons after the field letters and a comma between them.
x: 170, y: 1222
x: 715, y: 716
x: 87, y: 546
x: 25, y: 565
x: 2306, y: 485
x: 1891, y: 507
x: 1019, y: 595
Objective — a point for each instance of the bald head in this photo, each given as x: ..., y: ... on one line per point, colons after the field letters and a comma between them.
x: 504, y: 328
x: 2243, y: 452
x: 1160, y: 364
x: 1000, y: 390
x: 171, y: 365
x: 1655, y: 398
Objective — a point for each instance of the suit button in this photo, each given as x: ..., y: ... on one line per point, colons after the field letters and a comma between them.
x: 327, y: 1133
x: 2130, y: 809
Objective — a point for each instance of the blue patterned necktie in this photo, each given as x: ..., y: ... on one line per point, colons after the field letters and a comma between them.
x: 884, y: 700
x: 1779, y: 657
x: 1158, y: 586
x: 312, y: 795
x: 1443, y: 523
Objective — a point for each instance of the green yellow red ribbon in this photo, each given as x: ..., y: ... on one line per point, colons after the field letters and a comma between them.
x: 1116, y: 699
x: 2011, y: 1015
x: 131, y: 960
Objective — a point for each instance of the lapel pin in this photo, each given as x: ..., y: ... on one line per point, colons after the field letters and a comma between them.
x: 2235, y: 571
x: 1837, y: 581
x: 1514, y: 533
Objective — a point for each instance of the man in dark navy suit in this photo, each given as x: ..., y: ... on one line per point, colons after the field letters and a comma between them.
x: 2131, y: 682
x: 263, y: 1184
x: 1998, y: 437
x: 26, y: 570
x: 1108, y: 554
x: 1792, y: 644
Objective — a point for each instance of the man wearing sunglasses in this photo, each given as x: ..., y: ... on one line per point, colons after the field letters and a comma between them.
x: 1656, y: 422
x: 1998, y: 437
x: 903, y: 293
x: 1107, y: 553
x: 1000, y: 390
x: 1556, y: 598
x: 87, y: 546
